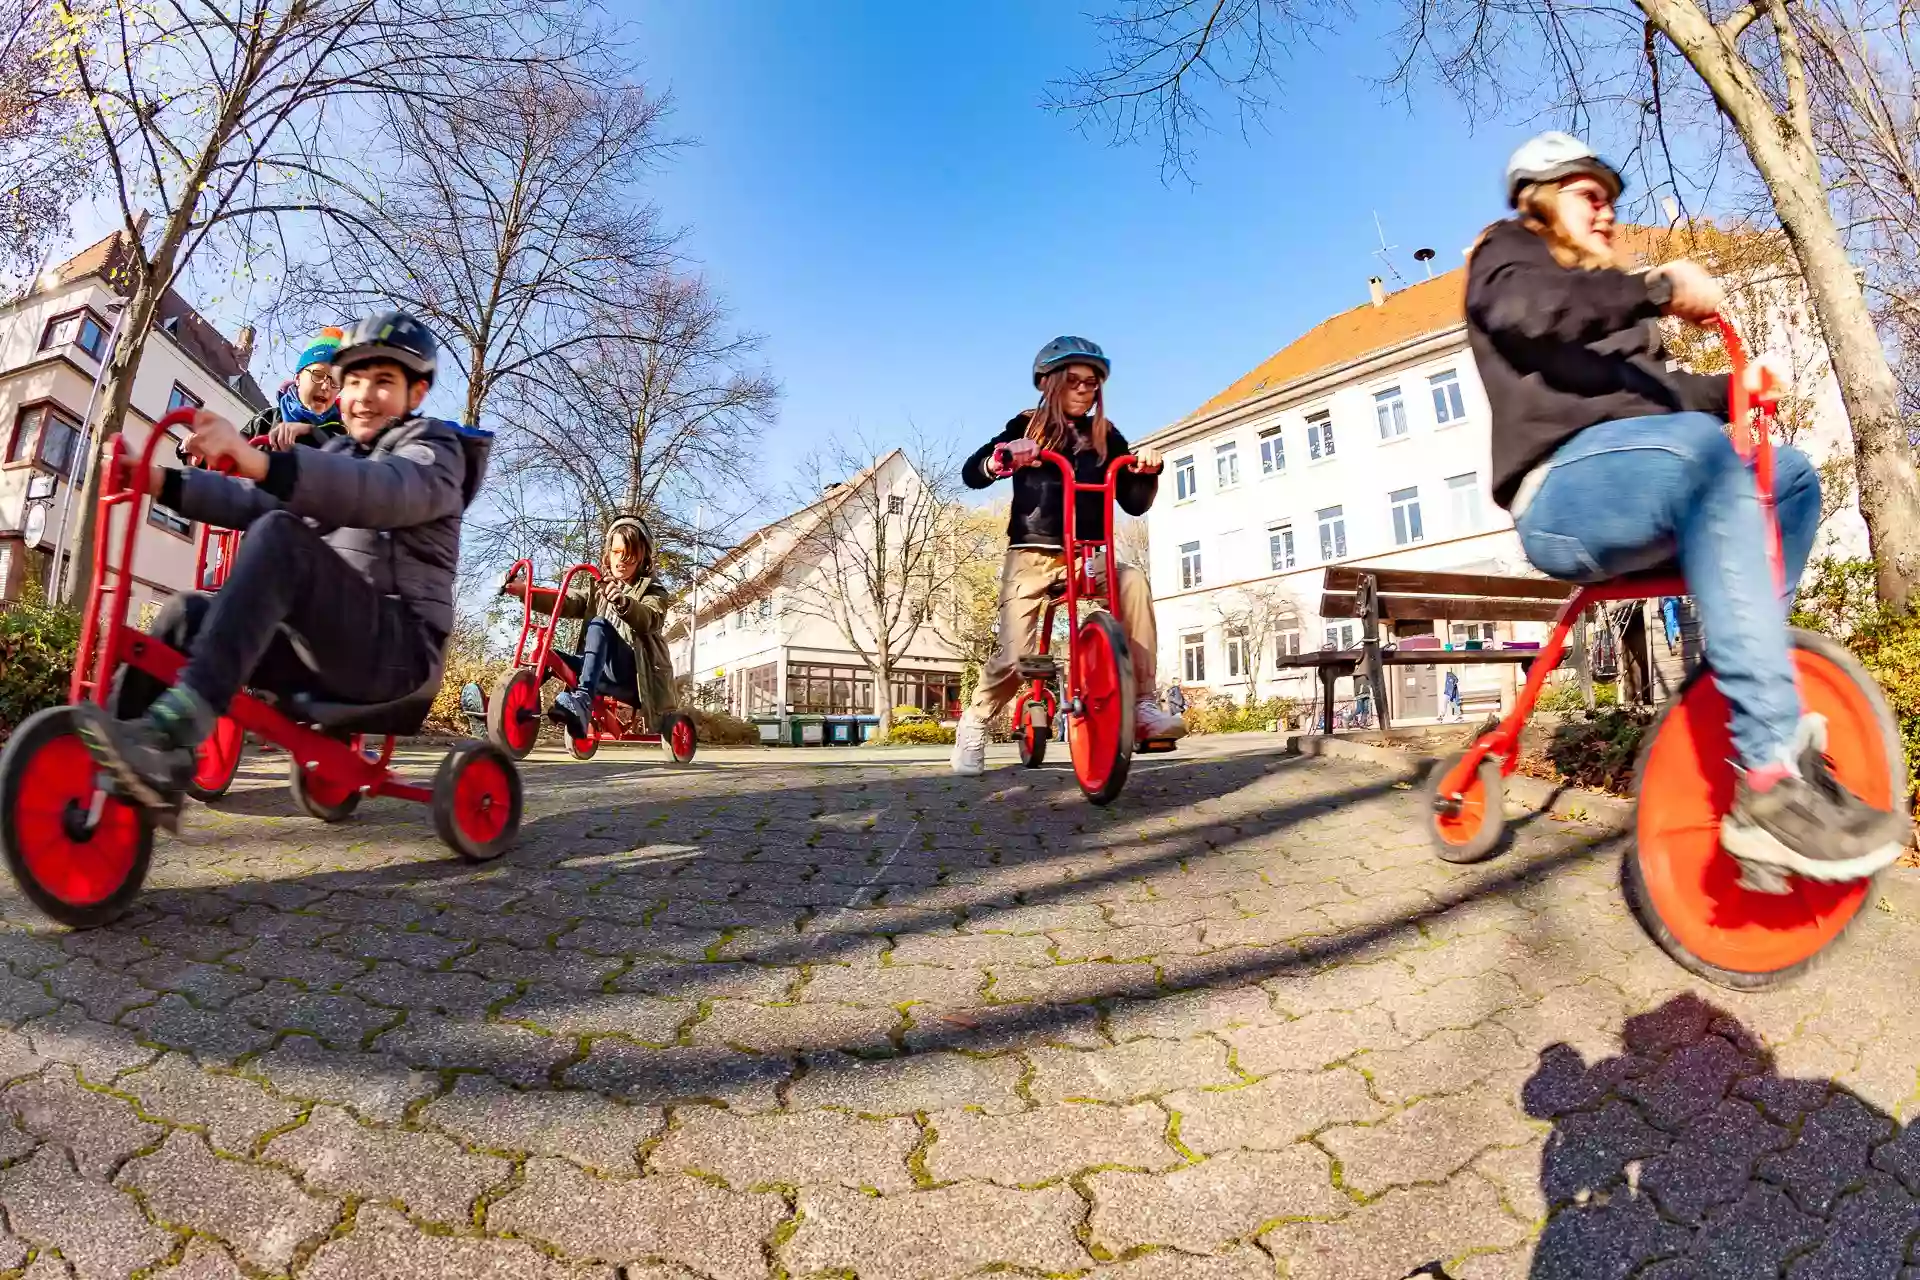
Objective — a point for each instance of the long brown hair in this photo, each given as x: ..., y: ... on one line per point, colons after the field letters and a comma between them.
x: 1051, y: 427
x: 1539, y: 206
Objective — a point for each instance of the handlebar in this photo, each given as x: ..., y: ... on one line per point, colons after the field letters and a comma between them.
x: 1003, y: 462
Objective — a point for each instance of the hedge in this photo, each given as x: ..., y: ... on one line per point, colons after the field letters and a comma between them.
x: 37, y: 645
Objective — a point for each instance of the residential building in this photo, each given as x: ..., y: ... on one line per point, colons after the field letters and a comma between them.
x: 1366, y: 441
x: 53, y: 345
x: 767, y: 643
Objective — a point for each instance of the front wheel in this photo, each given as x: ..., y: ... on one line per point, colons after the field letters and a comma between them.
x: 582, y: 748
x: 513, y: 712
x: 1030, y: 735
x: 677, y: 737
x: 217, y: 760
x: 476, y: 801
x: 1686, y: 890
x: 319, y: 796
x: 77, y: 852
x: 1100, y: 736
x: 1469, y: 818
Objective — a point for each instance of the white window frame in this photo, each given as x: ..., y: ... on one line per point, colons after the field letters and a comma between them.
x: 1286, y: 644
x: 1320, y: 441
x: 1239, y: 659
x: 1226, y: 465
x: 1186, y: 479
x: 1331, y: 524
x: 1191, y: 575
x: 1469, y: 520
x: 1193, y: 657
x: 1449, y: 400
x: 1273, y: 452
x: 1461, y: 632
x: 1281, y: 547
x: 1341, y: 636
x: 1409, y: 528
x: 1390, y: 414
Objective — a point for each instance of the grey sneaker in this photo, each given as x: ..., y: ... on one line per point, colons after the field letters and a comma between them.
x: 147, y: 765
x: 970, y: 746
x: 1809, y: 825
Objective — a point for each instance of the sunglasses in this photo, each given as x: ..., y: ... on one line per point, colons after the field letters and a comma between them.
x: 1082, y: 382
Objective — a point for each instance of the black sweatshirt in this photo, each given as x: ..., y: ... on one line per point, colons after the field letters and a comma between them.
x: 1034, y: 520
x: 1560, y: 349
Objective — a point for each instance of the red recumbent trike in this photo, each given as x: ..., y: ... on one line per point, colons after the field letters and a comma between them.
x: 80, y: 852
x: 1099, y: 686
x: 512, y: 713
x: 1686, y: 891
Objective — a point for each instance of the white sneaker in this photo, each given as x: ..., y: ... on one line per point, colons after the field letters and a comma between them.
x: 1149, y: 721
x: 970, y: 746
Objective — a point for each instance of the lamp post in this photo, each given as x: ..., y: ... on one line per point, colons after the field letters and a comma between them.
x: 693, y: 625
x: 80, y: 465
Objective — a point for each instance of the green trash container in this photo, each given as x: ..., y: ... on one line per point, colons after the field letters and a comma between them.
x: 807, y: 731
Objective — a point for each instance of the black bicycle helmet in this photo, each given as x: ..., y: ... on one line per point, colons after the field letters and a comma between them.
x: 389, y: 335
x: 1066, y: 350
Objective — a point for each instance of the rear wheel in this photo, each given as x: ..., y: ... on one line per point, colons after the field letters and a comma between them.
x: 476, y: 801
x: 582, y: 748
x: 77, y: 852
x: 1686, y: 890
x: 1031, y: 733
x: 1100, y: 736
x: 217, y: 760
x: 513, y: 712
x: 677, y: 737
x: 1468, y: 819
x: 319, y: 796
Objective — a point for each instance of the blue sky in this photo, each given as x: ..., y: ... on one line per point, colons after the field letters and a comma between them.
x: 877, y: 189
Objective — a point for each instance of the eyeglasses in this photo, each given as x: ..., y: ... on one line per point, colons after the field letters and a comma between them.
x: 1082, y: 382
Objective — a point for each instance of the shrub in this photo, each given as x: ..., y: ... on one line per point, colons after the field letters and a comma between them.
x: 1836, y: 597
x: 1216, y: 713
x: 718, y: 729
x: 1597, y: 749
x: 922, y: 732
x: 467, y: 660
x: 37, y: 645
x: 1562, y: 697
x: 1890, y: 651
x: 905, y: 712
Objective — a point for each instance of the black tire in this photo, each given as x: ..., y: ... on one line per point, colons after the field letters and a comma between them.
x: 1474, y: 827
x: 582, y: 748
x: 1109, y: 774
x: 46, y: 790
x: 1633, y: 881
x: 678, y: 738
x: 330, y: 804
x: 1031, y: 739
x: 477, y: 801
x: 218, y: 762
x: 513, y: 712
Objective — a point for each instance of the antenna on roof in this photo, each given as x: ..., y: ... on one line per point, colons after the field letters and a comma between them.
x: 1425, y: 258
x: 1385, y: 249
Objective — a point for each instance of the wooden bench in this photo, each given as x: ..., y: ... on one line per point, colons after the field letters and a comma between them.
x: 1411, y: 595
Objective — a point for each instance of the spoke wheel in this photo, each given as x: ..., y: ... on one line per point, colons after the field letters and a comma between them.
x: 1100, y: 737
x: 217, y: 761
x: 1686, y: 890
x: 513, y: 712
x: 79, y: 865
x: 476, y: 801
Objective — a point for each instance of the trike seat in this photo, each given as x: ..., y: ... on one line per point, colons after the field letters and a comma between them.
x: 400, y: 716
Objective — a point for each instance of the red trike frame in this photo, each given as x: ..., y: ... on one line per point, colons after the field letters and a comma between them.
x: 606, y: 723
x: 1750, y: 419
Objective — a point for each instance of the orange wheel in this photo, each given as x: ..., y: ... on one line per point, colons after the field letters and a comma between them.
x: 1100, y: 735
x: 77, y: 853
x: 1469, y: 819
x: 1686, y: 890
x: 217, y: 760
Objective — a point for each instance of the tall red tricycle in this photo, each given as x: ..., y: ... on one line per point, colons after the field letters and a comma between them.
x: 80, y: 852
x: 1099, y: 690
x: 511, y: 713
x: 1689, y: 894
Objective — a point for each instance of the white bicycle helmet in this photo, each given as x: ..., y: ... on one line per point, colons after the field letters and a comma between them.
x: 1553, y: 156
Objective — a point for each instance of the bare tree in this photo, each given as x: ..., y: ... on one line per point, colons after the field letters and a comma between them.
x: 875, y: 554
x: 972, y: 623
x: 508, y: 219
x: 1656, y: 66
x: 229, y: 119
x: 1256, y: 614
x: 41, y: 139
x: 658, y: 415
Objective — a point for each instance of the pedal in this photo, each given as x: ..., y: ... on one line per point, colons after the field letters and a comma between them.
x: 1037, y: 666
x: 1758, y: 878
x: 1154, y: 746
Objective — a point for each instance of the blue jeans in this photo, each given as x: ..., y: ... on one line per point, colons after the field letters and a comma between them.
x: 1632, y: 495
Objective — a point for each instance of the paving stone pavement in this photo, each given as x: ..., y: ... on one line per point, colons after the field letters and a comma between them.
x: 840, y: 1014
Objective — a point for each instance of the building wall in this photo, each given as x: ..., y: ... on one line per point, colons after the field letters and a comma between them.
x: 63, y: 374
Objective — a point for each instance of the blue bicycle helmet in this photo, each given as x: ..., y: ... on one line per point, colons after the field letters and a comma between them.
x: 1066, y: 350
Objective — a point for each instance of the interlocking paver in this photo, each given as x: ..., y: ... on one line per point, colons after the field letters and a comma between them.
x: 376, y: 1085
x: 97, y: 1130
x: 232, y: 1109
x: 101, y: 1051
x: 511, y: 1052
x: 100, y: 1229
x: 340, y: 1021
x: 400, y: 986
x: 1049, y: 1142
x: 1242, y: 1262
x: 1398, y: 1232
x: 1202, y: 1207
x: 203, y: 1260
x: 1089, y: 980
x: 1274, y: 1113
x: 813, y: 1148
x: 1427, y: 1142
x: 1313, y: 1040
x: 795, y: 1027
x: 1135, y: 1069
x: 1189, y: 1013
x: 259, y: 1211
x: 383, y: 1245
x: 584, y: 1127
x: 902, y: 1086
x: 892, y: 985
x: 431, y: 1175
x: 934, y: 1235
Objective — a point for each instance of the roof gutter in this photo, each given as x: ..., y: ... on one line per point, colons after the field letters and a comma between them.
x: 1304, y: 387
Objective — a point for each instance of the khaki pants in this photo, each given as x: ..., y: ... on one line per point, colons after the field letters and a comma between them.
x: 1024, y: 579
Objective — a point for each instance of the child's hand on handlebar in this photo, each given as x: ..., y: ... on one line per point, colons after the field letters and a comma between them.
x: 1146, y: 458
x: 223, y: 448
x: 1015, y: 454
x: 1697, y: 296
x: 286, y: 434
x: 1764, y: 378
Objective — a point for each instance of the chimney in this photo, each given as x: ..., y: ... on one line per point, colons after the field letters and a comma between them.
x: 243, y: 345
x: 1378, y: 288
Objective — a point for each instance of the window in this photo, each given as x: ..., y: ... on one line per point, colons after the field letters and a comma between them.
x: 1390, y: 411
x: 80, y: 328
x: 1226, y: 465
x: 45, y: 435
x: 1320, y: 436
x: 764, y: 610
x: 1465, y: 631
x: 1285, y: 645
x: 1406, y: 517
x: 1189, y: 565
x: 1447, y: 405
x: 181, y: 398
x: 1280, y: 546
x: 1342, y: 635
x: 1463, y: 500
x: 1186, y: 482
x: 896, y: 504
x: 1273, y: 452
x: 167, y: 518
x: 1333, y: 533
x: 1239, y: 661
x: 815, y: 688
x: 1193, y: 657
